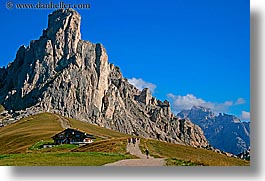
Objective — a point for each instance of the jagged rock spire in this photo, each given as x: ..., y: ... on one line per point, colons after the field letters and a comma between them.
x: 63, y: 74
x: 65, y: 19
x: 64, y: 31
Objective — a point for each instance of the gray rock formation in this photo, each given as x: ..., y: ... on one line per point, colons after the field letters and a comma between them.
x: 245, y: 155
x: 225, y: 132
x: 63, y: 74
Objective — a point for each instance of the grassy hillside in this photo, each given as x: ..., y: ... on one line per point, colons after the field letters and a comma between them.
x: 117, y: 145
x: 174, y: 153
x: 61, y: 159
x: 17, y: 137
x: 95, y: 130
x: 21, y: 145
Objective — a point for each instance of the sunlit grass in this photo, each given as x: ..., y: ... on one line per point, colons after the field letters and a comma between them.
x: 18, y: 137
x: 196, y: 156
x: 38, y: 147
x: 60, y: 159
x: 96, y: 130
x: 176, y: 162
x: 22, y: 142
x: 1, y: 108
x: 117, y: 145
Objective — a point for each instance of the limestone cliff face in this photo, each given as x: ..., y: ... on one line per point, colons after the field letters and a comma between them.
x: 63, y: 74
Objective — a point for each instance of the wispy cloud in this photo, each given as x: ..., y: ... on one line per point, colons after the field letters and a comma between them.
x: 141, y: 84
x: 240, y: 101
x: 179, y: 103
x: 245, y: 115
x: 184, y: 102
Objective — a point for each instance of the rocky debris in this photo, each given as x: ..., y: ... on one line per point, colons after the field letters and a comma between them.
x: 245, y: 155
x: 10, y: 117
x: 62, y: 74
x: 225, y: 132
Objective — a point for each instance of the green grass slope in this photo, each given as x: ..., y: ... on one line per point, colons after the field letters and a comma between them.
x: 176, y: 154
x: 61, y: 159
x: 117, y: 145
x: 17, y: 137
x: 21, y: 145
x: 95, y: 130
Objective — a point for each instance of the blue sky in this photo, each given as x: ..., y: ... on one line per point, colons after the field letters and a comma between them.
x: 187, y: 51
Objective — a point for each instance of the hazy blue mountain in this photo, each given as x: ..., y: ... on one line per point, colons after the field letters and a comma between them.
x: 223, y: 131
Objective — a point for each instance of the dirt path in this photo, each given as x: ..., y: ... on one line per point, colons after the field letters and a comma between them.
x: 143, y: 161
x: 64, y: 122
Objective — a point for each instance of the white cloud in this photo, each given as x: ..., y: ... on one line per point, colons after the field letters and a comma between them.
x: 185, y: 102
x: 179, y: 103
x: 245, y: 115
x: 240, y: 101
x: 141, y: 84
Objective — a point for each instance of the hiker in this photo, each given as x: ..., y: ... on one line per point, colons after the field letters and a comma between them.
x: 147, y: 153
x: 134, y: 141
x: 129, y: 140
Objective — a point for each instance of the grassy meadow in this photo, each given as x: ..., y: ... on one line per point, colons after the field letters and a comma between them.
x: 18, y: 137
x: 180, y: 154
x: 21, y: 145
x: 61, y: 159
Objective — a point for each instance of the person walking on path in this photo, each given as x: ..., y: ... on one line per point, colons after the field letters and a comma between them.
x: 147, y: 153
x: 141, y: 160
x: 134, y: 141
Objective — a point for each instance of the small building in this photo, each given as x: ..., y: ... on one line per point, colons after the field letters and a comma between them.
x: 88, y: 140
x: 72, y: 136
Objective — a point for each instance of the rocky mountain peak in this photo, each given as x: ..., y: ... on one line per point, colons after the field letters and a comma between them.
x: 60, y: 73
x: 227, y: 117
x: 201, y: 108
x: 66, y: 21
x: 197, y: 112
x: 63, y: 32
x: 223, y: 131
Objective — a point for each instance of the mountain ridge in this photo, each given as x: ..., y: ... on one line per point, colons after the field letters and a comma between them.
x: 223, y: 131
x: 60, y: 73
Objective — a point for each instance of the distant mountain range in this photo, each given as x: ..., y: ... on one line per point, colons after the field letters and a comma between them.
x: 223, y: 131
